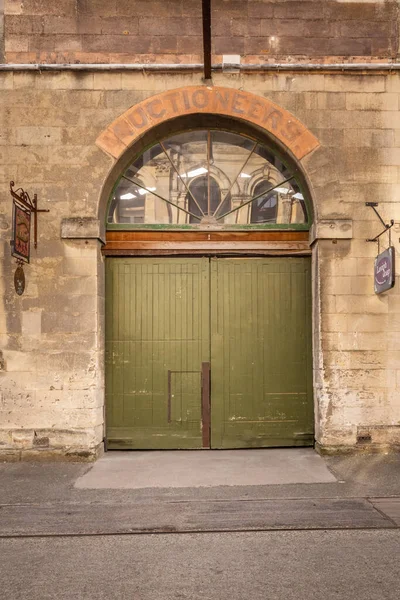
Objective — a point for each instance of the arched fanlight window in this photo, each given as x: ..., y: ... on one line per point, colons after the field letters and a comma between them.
x: 208, y: 177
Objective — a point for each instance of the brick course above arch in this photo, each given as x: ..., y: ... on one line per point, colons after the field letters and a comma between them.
x: 274, y: 119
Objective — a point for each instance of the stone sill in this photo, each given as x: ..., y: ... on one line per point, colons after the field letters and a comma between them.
x: 83, y: 228
x: 331, y: 229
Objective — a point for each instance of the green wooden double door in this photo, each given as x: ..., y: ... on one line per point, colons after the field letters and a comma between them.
x: 208, y: 353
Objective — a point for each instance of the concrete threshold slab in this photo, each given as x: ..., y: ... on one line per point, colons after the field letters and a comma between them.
x: 207, y: 468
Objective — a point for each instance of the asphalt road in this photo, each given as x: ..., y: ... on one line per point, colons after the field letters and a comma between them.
x: 295, y: 565
x: 322, y: 541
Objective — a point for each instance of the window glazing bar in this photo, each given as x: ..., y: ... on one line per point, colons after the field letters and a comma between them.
x: 255, y: 197
x: 161, y: 198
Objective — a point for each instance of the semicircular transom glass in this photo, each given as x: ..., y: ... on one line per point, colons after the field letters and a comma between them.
x: 208, y: 178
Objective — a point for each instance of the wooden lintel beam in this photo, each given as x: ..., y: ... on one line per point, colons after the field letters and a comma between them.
x: 207, y: 247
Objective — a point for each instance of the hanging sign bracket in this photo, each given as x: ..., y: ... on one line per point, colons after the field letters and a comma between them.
x: 31, y: 205
x: 23, y: 208
x: 387, y: 226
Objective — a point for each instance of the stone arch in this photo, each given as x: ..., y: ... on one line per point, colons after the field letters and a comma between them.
x: 174, y: 110
x: 259, y: 111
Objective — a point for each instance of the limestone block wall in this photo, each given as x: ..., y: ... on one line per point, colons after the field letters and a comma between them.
x: 357, y: 343
x: 51, y: 338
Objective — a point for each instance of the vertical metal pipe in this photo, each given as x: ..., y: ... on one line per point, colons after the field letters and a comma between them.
x: 35, y: 212
x: 206, y: 5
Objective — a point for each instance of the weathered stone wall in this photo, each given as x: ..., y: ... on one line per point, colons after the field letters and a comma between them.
x: 51, y: 338
x: 356, y: 349
x: 116, y: 31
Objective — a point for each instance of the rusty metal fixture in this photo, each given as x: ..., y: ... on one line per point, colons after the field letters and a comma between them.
x: 387, y: 226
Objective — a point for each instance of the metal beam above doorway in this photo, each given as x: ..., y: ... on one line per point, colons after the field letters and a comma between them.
x: 206, y: 11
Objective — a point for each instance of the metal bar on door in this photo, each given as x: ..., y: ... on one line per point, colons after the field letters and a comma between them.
x: 205, y: 403
x: 206, y: 13
x: 169, y: 396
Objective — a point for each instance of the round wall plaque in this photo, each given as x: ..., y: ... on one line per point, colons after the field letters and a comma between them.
x: 19, y: 280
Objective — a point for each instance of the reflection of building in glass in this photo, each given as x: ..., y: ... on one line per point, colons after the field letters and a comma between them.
x: 207, y: 177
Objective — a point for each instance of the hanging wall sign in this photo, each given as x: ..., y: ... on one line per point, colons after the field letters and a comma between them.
x: 21, y: 232
x: 384, y: 271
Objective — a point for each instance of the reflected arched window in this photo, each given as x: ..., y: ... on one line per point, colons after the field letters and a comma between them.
x: 203, y: 177
x: 264, y: 209
x: 204, y: 196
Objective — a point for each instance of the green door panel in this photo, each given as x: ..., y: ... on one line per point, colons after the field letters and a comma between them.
x: 261, y: 353
x: 251, y: 317
x: 157, y: 336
